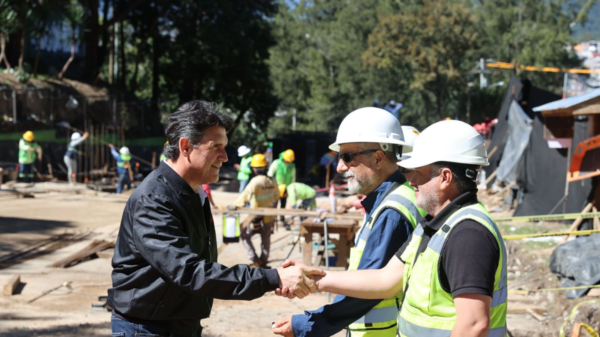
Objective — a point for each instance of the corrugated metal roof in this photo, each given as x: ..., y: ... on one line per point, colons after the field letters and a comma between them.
x: 568, y: 102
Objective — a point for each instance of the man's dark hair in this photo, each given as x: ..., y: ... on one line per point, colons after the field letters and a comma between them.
x: 464, y: 174
x: 190, y: 121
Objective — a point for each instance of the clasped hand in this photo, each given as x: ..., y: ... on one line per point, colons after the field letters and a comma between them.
x: 297, y: 279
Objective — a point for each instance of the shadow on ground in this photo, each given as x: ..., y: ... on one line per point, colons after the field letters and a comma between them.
x: 88, y: 330
x: 17, y: 230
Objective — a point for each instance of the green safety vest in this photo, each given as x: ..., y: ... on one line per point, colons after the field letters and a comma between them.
x: 27, y: 156
x: 428, y: 310
x: 381, y: 320
x: 245, y: 170
x: 284, y: 172
x: 163, y: 157
x: 125, y: 158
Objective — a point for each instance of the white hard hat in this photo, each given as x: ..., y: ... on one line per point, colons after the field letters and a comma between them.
x: 124, y: 150
x: 75, y: 136
x: 410, y: 134
x: 450, y: 141
x: 369, y: 125
x: 243, y: 150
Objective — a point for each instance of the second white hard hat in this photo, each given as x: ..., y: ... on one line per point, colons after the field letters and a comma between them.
x: 449, y: 141
x: 124, y: 150
x: 243, y: 150
x: 410, y: 134
x: 369, y: 125
x: 75, y: 136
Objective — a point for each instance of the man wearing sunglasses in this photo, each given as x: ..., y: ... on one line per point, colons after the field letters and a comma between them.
x: 369, y: 143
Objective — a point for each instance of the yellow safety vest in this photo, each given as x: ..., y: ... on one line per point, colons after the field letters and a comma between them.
x: 427, y: 309
x: 381, y: 320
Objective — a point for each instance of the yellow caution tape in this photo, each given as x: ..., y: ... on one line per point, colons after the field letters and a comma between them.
x: 525, y: 292
x: 572, y: 315
x: 505, y: 65
x: 550, y: 217
x: 589, y: 330
x: 539, y: 235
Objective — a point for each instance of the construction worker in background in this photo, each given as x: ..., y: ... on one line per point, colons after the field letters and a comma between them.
x: 123, y: 158
x: 369, y: 142
x: 376, y: 103
x: 393, y: 108
x: 458, y: 247
x: 244, y: 169
x: 28, y: 151
x: 410, y: 135
x: 328, y: 162
x: 284, y: 171
x: 261, y: 191
x: 300, y: 195
x: 162, y: 155
x: 71, y: 155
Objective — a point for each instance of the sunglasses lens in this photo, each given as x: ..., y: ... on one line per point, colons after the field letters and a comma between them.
x: 346, y: 157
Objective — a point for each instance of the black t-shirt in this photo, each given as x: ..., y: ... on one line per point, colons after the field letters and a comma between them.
x: 468, y: 260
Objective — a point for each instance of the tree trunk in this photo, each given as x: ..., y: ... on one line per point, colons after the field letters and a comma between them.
x: 64, y: 69
x: 22, y: 50
x: 2, y: 53
x: 155, y: 70
x: 138, y: 57
x: 111, y: 56
x: 91, y: 41
x: 123, y: 61
x: 37, y: 55
x: 105, y: 34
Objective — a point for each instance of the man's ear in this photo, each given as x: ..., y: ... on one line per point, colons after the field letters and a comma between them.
x: 446, y: 179
x: 184, y: 147
x: 379, y: 158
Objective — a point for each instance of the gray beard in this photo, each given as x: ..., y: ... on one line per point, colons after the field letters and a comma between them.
x: 429, y: 203
x: 361, y: 186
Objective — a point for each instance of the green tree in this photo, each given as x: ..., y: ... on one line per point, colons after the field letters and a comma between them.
x: 433, y: 41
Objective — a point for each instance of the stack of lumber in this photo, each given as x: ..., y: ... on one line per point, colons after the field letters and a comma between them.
x: 87, y: 253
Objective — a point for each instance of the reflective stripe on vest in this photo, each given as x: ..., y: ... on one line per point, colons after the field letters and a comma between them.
x: 381, y: 320
x: 428, y: 310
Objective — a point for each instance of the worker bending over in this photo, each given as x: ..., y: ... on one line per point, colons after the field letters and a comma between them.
x: 261, y: 191
x: 300, y: 195
x: 453, y: 269
x: 369, y: 142
x: 28, y: 151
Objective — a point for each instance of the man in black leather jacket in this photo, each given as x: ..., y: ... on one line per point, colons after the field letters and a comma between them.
x: 165, y: 275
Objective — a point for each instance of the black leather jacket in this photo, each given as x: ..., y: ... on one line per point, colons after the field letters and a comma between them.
x: 164, y: 267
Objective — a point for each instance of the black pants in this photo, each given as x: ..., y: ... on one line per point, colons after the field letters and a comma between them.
x: 282, y: 202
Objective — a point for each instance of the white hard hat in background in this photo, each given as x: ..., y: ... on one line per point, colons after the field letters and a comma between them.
x: 124, y: 150
x: 75, y: 136
x: 450, y: 141
x: 243, y: 150
x: 369, y: 125
x: 410, y: 134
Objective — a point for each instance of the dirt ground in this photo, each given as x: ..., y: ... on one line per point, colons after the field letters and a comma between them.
x: 68, y: 311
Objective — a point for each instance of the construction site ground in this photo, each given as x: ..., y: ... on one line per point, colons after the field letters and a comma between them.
x: 56, y: 209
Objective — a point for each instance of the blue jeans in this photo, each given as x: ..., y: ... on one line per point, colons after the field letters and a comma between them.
x: 123, y: 180
x: 243, y: 184
x: 26, y: 172
x: 122, y: 328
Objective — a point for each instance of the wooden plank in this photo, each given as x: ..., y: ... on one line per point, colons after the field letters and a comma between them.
x: 91, y: 249
x: 595, y: 292
x: 292, y: 212
x: 575, y: 226
x: 492, y: 176
x: 522, y: 308
x: 536, y: 315
x: 11, y: 285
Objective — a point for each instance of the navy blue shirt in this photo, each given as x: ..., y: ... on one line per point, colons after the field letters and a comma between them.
x: 390, y: 230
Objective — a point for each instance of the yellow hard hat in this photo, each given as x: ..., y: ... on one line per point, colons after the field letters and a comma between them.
x: 28, y: 136
x: 282, y: 189
x: 258, y: 160
x: 289, y: 156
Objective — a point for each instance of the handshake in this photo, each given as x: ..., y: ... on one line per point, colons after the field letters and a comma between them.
x: 297, y: 279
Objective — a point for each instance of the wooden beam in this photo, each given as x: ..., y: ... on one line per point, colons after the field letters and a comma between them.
x: 591, y: 109
x: 11, y: 285
x: 575, y: 226
x: 524, y: 308
x: 535, y: 315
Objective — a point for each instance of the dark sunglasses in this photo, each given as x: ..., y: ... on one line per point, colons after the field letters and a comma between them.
x: 348, y: 157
